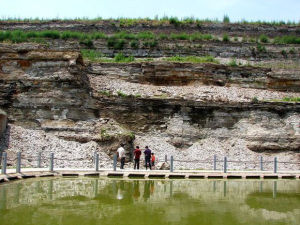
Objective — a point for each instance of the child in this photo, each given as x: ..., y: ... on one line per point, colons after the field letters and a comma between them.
x: 152, y: 160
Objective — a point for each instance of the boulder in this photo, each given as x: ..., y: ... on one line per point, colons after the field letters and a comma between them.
x: 163, y: 166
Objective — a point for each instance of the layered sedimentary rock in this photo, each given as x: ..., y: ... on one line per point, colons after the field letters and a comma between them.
x: 113, y: 26
x: 47, y: 93
x: 168, y: 73
x: 56, y: 102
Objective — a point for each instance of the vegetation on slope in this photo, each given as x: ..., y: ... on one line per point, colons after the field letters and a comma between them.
x: 96, y: 56
x: 118, y: 40
x: 192, y: 59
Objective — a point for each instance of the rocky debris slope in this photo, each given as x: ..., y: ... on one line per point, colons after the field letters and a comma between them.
x: 66, y: 153
x: 108, y: 87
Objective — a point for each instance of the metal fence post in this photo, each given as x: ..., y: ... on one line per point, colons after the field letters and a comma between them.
x: 215, y: 162
x: 4, y: 162
x: 97, y: 162
x: 18, y: 166
x: 94, y: 158
x: 275, y: 165
x: 172, y: 164
x: 39, y: 160
x: 225, y: 164
x: 115, y: 162
x: 51, y: 162
x: 166, y: 158
x: 261, y: 164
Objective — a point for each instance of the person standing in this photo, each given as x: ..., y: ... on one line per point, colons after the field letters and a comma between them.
x: 152, y: 160
x: 137, y: 154
x: 121, y: 154
x: 147, y: 153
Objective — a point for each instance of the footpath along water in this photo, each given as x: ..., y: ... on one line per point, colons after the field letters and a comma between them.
x: 89, y: 201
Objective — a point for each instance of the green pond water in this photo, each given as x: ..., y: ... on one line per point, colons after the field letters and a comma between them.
x: 91, y: 201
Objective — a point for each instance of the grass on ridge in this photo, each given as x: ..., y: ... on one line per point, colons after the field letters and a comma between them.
x: 192, y: 59
x: 291, y: 99
x: 118, y: 40
x: 96, y: 56
x: 126, y: 22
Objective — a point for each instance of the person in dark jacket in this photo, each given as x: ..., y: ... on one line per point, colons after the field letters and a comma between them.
x: 137, y: 154
x: 147, y: 153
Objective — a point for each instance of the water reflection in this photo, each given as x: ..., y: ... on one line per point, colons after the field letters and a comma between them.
x: 274, y: 189
x: 95, y: 201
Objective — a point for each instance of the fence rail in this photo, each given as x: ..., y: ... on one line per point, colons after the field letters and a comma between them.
x: 95, y: 162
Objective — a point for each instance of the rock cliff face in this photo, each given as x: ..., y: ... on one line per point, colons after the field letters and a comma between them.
x: 48, y: 91
x: 168, y: 74
x: 3, y: 122
x: 57, y: 102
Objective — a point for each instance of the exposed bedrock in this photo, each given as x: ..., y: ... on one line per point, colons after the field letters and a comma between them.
x: 47, y: 97
x: 55, y: 102
x: 168, y: 73
x: 168, y: 48
x: 43, y: 84
x: 264, y: 127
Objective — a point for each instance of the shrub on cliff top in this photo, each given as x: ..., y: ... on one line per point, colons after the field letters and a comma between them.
x: 175, y: 21
x: 226, y: 19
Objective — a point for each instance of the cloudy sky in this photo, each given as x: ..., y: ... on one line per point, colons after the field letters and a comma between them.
x: 236, y: 9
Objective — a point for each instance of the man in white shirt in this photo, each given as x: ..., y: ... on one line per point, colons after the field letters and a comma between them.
x: 121, y: 154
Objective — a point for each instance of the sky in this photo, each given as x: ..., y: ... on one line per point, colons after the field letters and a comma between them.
x: 251, y: 10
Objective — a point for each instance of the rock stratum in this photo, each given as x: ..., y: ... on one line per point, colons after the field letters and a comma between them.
x: 56, y: 101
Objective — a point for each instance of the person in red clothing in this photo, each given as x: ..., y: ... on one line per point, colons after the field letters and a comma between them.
x: 152, y: 160
x: 137, y: 154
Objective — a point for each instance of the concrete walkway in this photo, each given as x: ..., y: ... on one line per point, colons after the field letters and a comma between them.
x: 163, y: 174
